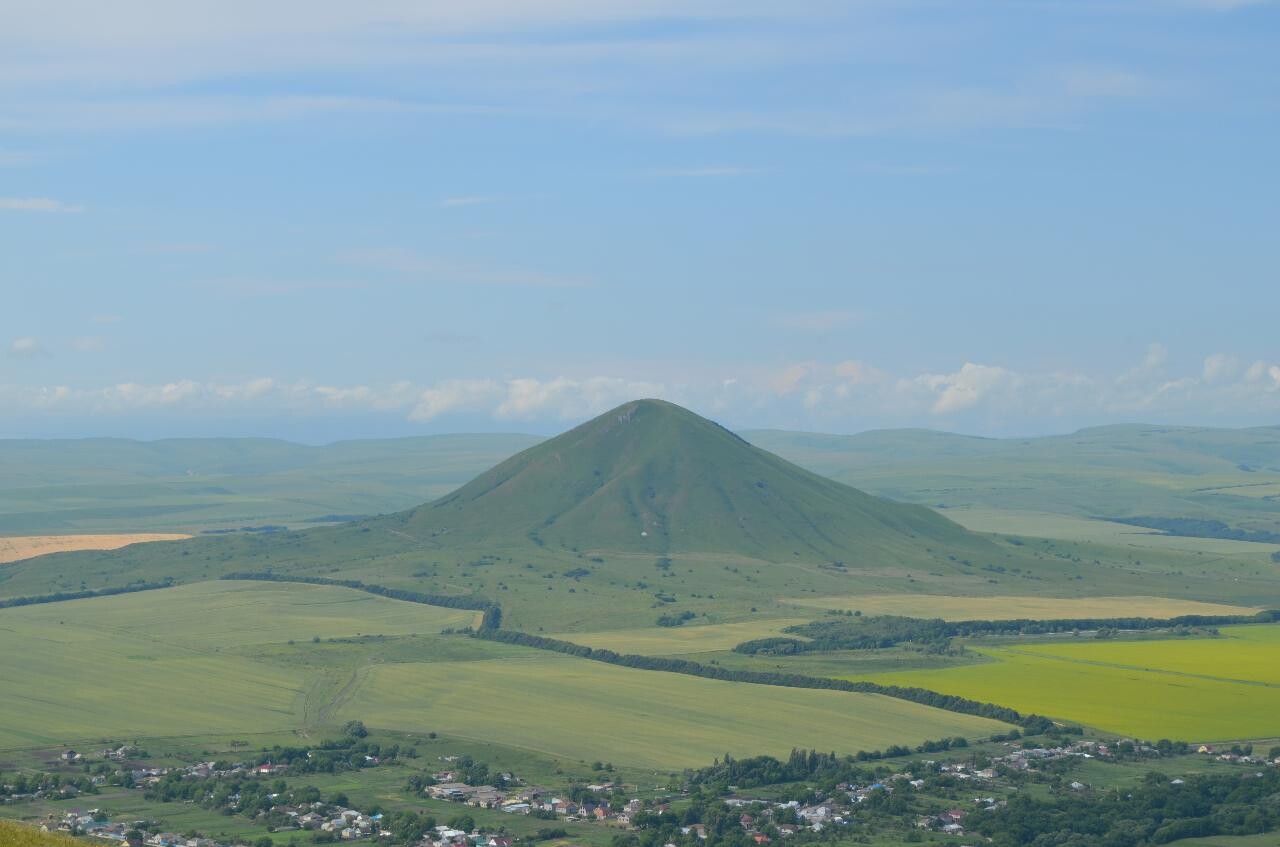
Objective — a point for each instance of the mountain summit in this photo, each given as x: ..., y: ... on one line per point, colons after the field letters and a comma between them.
x: 650, y: 476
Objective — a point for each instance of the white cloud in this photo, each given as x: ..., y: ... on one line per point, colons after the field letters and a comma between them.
x: 37, y: 204
x: 564, y: 398
x: 967, y: 387
x: 456, y: 395
x: 838, y: 396
x: 89, y: 344
x: 27, y: 348
x: 106, y: 319
x: 1220, y: 366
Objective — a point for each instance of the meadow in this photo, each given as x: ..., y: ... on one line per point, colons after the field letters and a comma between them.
x: 1014, y: 607
x: 253, y: 657
x: 15, y: 548
x: 582, y: 710
x: 164, y: 660
x: 1188, y: 689
x: 681, y: 640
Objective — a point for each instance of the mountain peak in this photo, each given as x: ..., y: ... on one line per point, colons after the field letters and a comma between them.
x: 651, y: 476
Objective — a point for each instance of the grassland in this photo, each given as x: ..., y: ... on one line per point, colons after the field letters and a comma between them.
x: 1073, y: 528
x: 1015, y: 607
x: 120, y: 485
x: 260, y: 657
x: 15, y: 548
x: 580, y: 710
x: 1119, y: 471
x: 162, y: 662
x: 1193, y: 689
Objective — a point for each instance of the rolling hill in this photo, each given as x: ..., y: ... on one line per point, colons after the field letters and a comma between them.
x: 650, y: 476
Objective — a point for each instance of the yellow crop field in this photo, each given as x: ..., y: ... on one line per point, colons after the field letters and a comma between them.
x: 1195, y: 690
x: 14, y: 548
x: 1013, y: 607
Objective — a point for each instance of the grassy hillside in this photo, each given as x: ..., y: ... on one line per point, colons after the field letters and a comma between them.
x: 734, y: 534
x: 192, y: 484
x: 652, y: 477
x: 1114, y: 471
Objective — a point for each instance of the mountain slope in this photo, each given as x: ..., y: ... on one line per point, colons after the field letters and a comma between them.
x: 650, y: 476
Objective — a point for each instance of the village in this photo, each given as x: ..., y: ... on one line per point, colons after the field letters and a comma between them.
x: 761, y: 820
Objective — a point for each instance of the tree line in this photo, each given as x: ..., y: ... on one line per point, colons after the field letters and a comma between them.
x: 492, y: 616
x: 924, y: 696
x: 880, y: 631
x: 1158, y: 811
x: 60, y: 596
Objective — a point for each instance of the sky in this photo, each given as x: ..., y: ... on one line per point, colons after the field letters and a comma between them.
x: 321, y: 220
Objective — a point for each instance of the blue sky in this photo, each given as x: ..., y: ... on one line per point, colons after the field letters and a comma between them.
x: 322, y: 220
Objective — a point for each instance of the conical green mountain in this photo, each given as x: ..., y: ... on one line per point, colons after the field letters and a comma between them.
x: 650, y: 476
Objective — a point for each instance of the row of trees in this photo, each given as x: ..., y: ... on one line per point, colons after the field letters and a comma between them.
x: 1158, y: 811
x: 950, y: 702
x: 880, y: 631
x: 60, y: 596
x: 493, y: 613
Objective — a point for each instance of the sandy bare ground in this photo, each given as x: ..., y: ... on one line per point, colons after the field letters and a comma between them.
x: 15, y: 548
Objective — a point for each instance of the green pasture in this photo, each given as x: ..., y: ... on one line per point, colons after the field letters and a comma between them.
x: 1195, y: 689
x: 1075, y: 528
x: 249, y: 657
x: 583, y: 710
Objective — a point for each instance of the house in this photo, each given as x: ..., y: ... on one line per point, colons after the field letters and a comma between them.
x: 498, y: 841
x: 601, y: 813
x: 70, y: 755
x: 760, y: 838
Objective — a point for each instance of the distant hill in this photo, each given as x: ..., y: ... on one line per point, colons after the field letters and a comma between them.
x: 192, y: 484
x: 610, y: 524
x: 1129, y: 470
x: 650, y: 476
x: 189, y: 485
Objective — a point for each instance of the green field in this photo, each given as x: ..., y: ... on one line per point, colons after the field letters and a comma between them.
x: 1193, y: 690
x: 678, y: 640
x: 1072, y: 528
x: 582, y: 710
x: 253, y: 657
x: 164, y: 662
x: 1012, y: 608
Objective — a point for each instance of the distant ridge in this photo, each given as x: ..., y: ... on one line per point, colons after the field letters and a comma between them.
x: 650, y: 476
